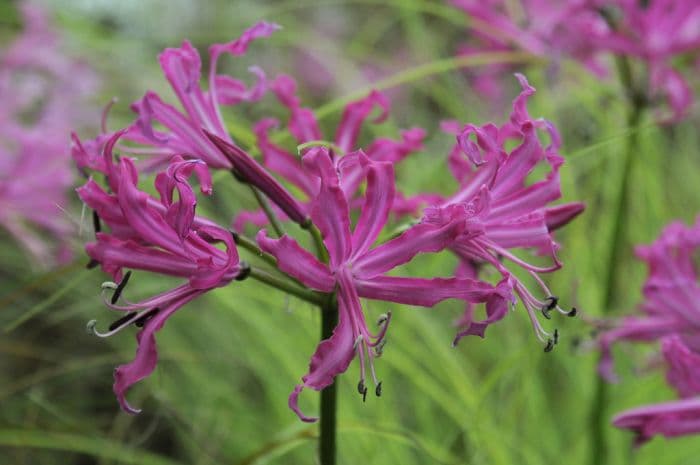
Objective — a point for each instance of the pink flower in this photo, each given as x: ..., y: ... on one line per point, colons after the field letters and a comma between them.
x: 42, y: 93
x: 509, y: 210
x: 161, y: 236
x: 671, y: 294
x: 671, y: 315
x: 356, y: 269
x: 201, y: 109
x: 304, y: 128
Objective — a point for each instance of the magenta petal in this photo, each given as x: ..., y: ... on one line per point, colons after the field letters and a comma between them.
x: 421, y: 238
x: 252, y: 172
x: 232, y: 91
x: 559, y: 216
x: 496, y: 309
x: 329, y: 210
x: 302, y: 122
x: 379, y: 199
x: 333, y: 355
x: 353, y: 117
x: 240, y: 45
x: 423, y: 292
x: 683, y: 366
x: 297, y: 262
x: 670, y: 419
x: 146, y: 354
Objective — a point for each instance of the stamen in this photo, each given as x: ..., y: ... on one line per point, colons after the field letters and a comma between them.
x: 382, y: 319
x: 553, y: 301
x: 121, y: 321
x: 357, y: 342
x: 118, y: 290
x: 549, y: 346
x: 556, y: 336
x: 361, y: 386
x: 144, y: 319
x: 379, y: 348
x: 96, y: 224
x: 545, y: 312
x: 572, y: 313
x: 378, y: 390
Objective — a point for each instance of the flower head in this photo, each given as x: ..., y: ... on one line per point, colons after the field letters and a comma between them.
x: 356, y: 269
x: 157, y: 235
x: 509, y: 211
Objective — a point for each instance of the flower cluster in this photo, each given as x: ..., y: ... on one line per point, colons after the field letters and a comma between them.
x: 40, y: 91
x: 653, y: 32
x: 347, y: 197
x: 671, y: 315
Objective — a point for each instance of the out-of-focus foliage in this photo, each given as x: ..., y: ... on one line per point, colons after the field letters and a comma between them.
x: 229, y: 361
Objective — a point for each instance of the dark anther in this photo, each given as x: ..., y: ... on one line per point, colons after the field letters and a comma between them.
x: 553, y: 302
x: 545, y: 313
x: 96, y: 225
x: 556, y: 336
x: 572, y: 313
x: 245, y: 271
x: 121, y: 321
x: 549, y: 346
x: 364, y: 395
x: 361, y: 387
x: 92, y: 264
x: 120, y: 287
x: 378, y: 390
x: 147, y: 316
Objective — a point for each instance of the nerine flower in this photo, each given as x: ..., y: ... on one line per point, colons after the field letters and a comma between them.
x: 671, y: 315
x: 304, y: 127
x: 183, y: 134
x: 511, y: 210
x: 157, y: 235
x: 356, y: 269
x: 43, y: 94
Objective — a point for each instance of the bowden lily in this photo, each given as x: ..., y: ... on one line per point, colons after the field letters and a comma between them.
x: 356, y: 270
x: 511, y: 211
x: 161, y: 236
x: 672, y: 316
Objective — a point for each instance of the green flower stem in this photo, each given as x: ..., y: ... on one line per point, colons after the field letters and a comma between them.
x: 250, y: 245
x: 321, y: 251
x: 265, y: 205
x: 616, y: 253
x: 329, y: 395
x: 285, y: 285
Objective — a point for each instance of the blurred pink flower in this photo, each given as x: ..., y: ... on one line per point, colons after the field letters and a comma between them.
x: 43, y: 96
x: 672, y: 316
x: 358, y: 270
x: 160, y: 236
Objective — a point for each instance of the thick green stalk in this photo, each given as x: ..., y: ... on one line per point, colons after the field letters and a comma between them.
x: 616, y: 253
x: 327, y: 426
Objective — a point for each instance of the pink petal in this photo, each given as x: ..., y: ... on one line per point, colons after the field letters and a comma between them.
x: 297, y: 262
x: 146, y: 354
x: 333, y: 355
x: 379, y: 199
x: 683, y: 366
x: 329, y: 210
x: 560, y: 215
x: 252, y: 172
x: 670, y: 419
x: 354, y: 116
x: 423, y: 292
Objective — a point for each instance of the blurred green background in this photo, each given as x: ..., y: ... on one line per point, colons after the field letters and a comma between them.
x: 229, y: 360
